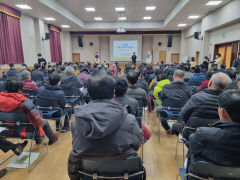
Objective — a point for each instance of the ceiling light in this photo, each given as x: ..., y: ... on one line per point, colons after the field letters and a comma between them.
x: 213, y: 3
x: 181, y: 25
x: 122, y: 18
x: 23, y: 6
x: 98, y: 18
x: 90, y: 9
x: 119, y: 9
x: 150, y: 8
x: 147, y: 17
x: 49, y: 18
x: 193, y: 17
x: 65, y: 26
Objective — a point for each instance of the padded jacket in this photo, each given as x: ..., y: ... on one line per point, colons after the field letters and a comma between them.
x: 37, y: 75
x: 103, y: 129
x: 201, y: 107
x: 196, y: 80
x: 71, y: 85
x: 12, y: 72
x: 175, y: 95
x: 139, y: 94
x: 219, y: 144
x: 158, y: 89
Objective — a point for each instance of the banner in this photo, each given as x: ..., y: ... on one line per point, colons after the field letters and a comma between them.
x: 149, y: 57
x: 97, y: 58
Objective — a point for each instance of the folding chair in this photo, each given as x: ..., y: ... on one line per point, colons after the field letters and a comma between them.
x: 208, y: 171
x: 131, y: 169
x: 13, y: 121
x: 31, y: 94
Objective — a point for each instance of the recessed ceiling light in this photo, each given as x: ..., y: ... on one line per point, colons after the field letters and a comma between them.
x: 119, y: 9
x: 122, y: 18
x: 181, y: 25
x: 23, y: 6
x: 98, y: 18
x: 65, y: 26
x: 150, y: 8
x: 49, y: 18
x: 193, y: 17
x: 147, y: 17
x: 90, y: 9
x: 214, y: 3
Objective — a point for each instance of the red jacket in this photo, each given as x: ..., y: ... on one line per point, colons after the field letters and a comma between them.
x: 29, y: 85
x: 15, y: 102
x: 204, y: 83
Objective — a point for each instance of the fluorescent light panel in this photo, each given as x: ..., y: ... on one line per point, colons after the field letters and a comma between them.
x: 147, y: 17
x: 120, y: 9
x: 150, y: 8
x: 122, y: 18
x: 181, y: 25
x: 194, y: 17
x: 98, y: 18
x: 23, y: 6
x: 65, y: 26
x: 214, y: 3
x: 90, y: 9
x: 49, y: 18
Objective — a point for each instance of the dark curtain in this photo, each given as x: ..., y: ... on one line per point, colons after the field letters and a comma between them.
x: 55, y: 43
x: 10, y: 39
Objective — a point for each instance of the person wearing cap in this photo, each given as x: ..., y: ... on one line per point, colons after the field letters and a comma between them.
x: 219, y: 144
x: 28, y: 84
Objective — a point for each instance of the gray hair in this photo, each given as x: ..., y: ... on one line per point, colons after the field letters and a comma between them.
x: 220, y: 81
x: 25, y: 74
x: 69, y: 70
x: 179, y: 73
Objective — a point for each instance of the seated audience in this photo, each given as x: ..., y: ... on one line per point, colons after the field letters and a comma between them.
x: 13, y: 101
x: 236, y: 62
x: 222, y: 68
x: 84, y: 76
x: 153, y: 83
x: 5, y: 146
x: 62, y: 69
x: 70, y: 83
x: 219, y: 144
x: 53, y: 92
x: 37, y: 75
x: 141, y: 83
x: 162, y: 80
x: 28, y: 84
x: 204, y: 84
x: 197, y: 78
x: 12, y: 71
x: 203, y: 106
x: 188, y: 73
x: 175, y: 95
x: 121, y: 87
x: 233, y: 75
x: 102, y: 129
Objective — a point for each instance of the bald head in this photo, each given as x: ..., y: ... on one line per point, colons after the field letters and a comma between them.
x: 219, y: 81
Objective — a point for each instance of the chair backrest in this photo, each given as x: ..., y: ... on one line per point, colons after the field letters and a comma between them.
x: 112, y: 168
x: 200, y: 122
x: 170, y: 113
x: 30, y: 92
x: 43, y: 102
x: 16, y: 118
x: 174, y: 103
x: 207, y: 170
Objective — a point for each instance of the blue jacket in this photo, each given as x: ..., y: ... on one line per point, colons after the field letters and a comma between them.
x: 12, y: 72
x: 54, y: 93
x: 196, y: 80
x: 71, y: 84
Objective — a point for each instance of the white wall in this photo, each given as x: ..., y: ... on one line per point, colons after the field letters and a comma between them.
x: 104, y: 42
x: 147, y: 44
x: 66, y: 44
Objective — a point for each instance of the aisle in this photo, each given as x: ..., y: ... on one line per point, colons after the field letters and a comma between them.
x: 158, y: 159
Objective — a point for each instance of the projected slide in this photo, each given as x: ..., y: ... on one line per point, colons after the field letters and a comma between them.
x: 123, y: 49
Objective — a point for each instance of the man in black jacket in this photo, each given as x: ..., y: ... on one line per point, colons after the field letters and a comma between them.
x: 37, y: 75
x: 202, y: 108
x: 175, y: 95
x: 219, y: 144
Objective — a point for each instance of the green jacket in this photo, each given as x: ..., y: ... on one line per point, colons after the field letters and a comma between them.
x: 158, y: 89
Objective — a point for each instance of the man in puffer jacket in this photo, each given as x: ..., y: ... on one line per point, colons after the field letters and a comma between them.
x: 102, y: 129
x: 197, y: 78
x: 202, y: 108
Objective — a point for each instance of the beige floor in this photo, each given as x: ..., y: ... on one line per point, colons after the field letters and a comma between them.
x: 158, y: 159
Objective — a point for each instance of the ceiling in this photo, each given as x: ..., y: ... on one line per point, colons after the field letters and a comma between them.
x: 167, y: 16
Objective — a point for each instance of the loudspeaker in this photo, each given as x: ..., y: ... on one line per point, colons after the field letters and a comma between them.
x: 196, y: 35
x: 159, y: 43
x: 170, y: 39
x: 80, y: 43
x: 47, y: 36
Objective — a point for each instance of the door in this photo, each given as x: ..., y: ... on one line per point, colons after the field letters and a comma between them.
x: 162, y: 56
x: 228, y: 56
x: 175, y: 58
x: 197, y: 57
x: 76, y: 57
x: 221, y: 51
